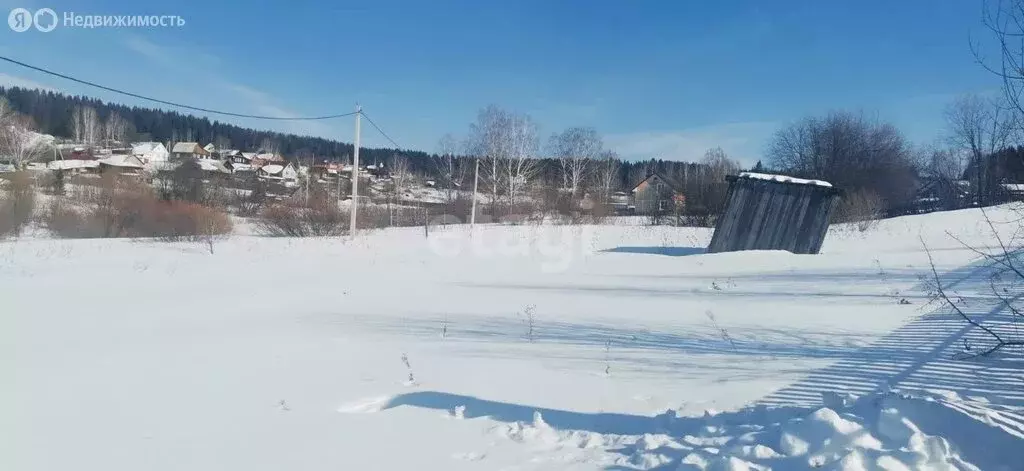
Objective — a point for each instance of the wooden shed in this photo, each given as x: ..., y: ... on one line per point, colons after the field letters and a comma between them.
x: 774, y: 212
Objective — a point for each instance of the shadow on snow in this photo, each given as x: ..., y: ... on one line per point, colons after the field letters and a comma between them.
x: 669, y: 251
x: 917, y: 357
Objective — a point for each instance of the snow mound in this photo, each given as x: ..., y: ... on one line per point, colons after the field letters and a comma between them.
x: 875, y: 432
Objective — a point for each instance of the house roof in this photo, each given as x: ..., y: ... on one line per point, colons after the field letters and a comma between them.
x: 139, y: 148
x: 276, y: 168
x: 239, y: 167
x: 185, y: 147
x: 672, y: 184
x: 272, y: 169
x: 71, y: 164
x: 270, y: 157
x: 122, y: 160
x: 212, y: 166
x: 160, y: 166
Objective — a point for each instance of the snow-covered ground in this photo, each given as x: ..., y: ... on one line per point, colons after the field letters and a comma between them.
x: 527, y: 347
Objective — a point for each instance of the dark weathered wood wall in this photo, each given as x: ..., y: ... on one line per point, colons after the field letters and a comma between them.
x: 769, y: 215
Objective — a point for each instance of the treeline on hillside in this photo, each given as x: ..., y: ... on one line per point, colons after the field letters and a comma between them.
x: 55, y: 113
x: 65, y: 116
x: 867, y: 158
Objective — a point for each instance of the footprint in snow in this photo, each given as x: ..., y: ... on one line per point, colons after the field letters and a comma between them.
x: 365, y: 406
x: 470, y: 456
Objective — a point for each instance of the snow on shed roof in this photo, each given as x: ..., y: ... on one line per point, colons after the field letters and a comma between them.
x: 784, y: 179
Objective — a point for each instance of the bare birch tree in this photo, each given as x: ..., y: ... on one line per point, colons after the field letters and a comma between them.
x: 269, y: 146
x: 575, y: 148
x: 19, y: 143
x: 451, y: 169
x: 714, y: 188
x: 978, y: 128
x: 6, y: 112
x: 609, y: 170
x: 447, y: 148
x: 401, y: 172
x: 222, y: 143
x: 86, y: 125
x: 115, y: 129
x: 521, y: 164
x: 488, y: 141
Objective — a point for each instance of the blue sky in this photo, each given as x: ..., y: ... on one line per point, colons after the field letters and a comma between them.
x: 664, y: 79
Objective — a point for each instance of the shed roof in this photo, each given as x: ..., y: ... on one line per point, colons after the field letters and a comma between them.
x: 783, y: 179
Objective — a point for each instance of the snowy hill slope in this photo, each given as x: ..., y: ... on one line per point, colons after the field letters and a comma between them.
x: 524, y: 348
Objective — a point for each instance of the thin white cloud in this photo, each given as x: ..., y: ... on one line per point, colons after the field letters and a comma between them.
x: 13, y: 81
x: 741, y: 141
x: 148, y: 50
x: 252, y: 100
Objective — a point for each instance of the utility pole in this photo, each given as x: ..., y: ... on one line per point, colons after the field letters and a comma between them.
x: 472, y: 211
x: 355, y: 176
x: 308, y: 180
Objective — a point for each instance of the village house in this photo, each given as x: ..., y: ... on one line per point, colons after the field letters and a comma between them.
x: 121, y: 163
x: 1012, y: 191
x: 150, y: 152
x: 268, y: 157
x: 619, y: 201
x: 656, y: 194
x: 237, y: 161
x: 75, y: 152
x: 213, y: 166
x: 280, y: 172
x: 189, y: 150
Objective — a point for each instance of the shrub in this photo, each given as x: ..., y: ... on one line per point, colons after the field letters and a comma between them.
x: 251, y: 204
x: 376, y: 217
x: 599, y: 212
x: 53, y: 182
x: 294, y: 218
x: 186, y: 183
x: 64, y: 221
x: 179, y: 220
x: 17, y: 203
x: 863, y: 208
x: 128, y: 209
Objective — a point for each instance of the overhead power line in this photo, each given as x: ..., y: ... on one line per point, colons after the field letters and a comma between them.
x: 171, y: 103
x: 381, y: 131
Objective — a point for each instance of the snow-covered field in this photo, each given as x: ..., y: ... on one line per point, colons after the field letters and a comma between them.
x: 613, y: 347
